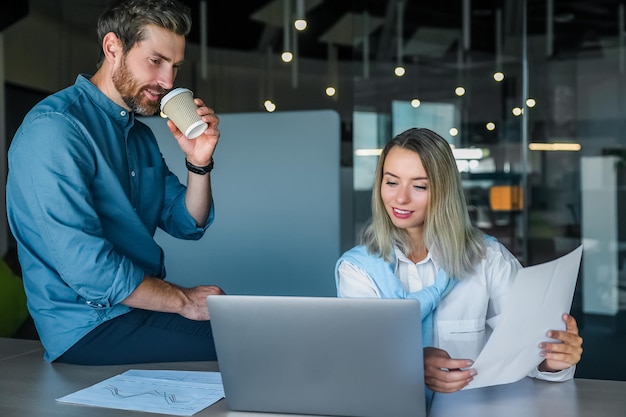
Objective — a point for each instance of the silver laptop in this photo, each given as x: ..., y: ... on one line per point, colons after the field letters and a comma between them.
x: 320, y: 355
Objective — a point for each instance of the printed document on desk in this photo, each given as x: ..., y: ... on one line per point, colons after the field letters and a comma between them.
x: 539, y: 296
x: 181, y: 393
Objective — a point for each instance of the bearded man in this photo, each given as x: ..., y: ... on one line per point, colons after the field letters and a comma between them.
x: 87, y: 189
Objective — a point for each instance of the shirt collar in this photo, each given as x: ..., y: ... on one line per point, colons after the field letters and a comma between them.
x: 401, y: 257
x: 108, y: 106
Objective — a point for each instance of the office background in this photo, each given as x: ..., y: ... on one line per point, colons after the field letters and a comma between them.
x: 537, y: 126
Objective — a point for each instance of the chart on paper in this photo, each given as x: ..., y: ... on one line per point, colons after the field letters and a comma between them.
x: 167, y: 392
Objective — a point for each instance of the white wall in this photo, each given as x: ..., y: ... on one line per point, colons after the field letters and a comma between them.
x: 276, y: 185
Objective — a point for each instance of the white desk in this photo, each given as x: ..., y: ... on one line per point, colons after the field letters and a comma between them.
x: 11, y: 348
x: 29, y: 387
x: 534, y: 398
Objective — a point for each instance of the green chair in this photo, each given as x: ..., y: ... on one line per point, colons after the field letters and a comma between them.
x: 13, y: 312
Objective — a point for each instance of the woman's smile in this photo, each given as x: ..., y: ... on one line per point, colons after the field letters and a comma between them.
x: 402, y: 214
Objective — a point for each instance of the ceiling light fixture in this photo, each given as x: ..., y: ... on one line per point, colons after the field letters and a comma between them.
x: 399, y: 70
x: 571, y: 147
x: 368, y: 152
x: 268, y: 90
x: 269, y: 105
x: 333, y: 71
x: 286, y: 56
x: 300, y: 23
x: 498, y: 75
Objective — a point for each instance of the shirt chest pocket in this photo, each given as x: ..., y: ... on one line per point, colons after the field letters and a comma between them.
x: 463, y: 339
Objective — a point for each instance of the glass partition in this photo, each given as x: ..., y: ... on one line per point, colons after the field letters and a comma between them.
x: 536, y: 119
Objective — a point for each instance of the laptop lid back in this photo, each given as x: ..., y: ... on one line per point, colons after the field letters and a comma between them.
x: 320, y: 355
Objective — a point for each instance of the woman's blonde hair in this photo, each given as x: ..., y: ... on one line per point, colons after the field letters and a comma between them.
x: 455, y: 244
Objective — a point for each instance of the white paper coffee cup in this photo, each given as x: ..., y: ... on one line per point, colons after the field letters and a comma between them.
x: 179, y: 107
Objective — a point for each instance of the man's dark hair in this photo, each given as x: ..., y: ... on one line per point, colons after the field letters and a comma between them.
x: 128, y: 19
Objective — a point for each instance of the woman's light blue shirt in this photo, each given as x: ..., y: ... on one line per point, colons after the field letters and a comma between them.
x: 86, y: 190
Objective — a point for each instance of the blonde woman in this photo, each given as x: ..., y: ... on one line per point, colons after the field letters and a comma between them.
x: 421, y: 244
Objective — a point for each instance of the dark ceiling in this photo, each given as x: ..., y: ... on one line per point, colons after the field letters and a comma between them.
x: 579, y: 25
x: 12, y: 12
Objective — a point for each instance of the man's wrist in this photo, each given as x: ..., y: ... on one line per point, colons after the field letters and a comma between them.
x: 200, y: 170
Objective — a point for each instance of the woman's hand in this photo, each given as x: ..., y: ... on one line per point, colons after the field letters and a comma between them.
x: 443, y: 374
x: 566, y: 352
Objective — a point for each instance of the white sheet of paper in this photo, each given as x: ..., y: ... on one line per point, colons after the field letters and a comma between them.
x: 188, y: 376
x: 539, y: 296
x: 181, y: 393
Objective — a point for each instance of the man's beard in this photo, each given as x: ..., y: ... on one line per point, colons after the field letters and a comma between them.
x: 132, y: 93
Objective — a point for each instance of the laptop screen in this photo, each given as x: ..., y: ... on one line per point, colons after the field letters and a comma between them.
x: 320, y: 355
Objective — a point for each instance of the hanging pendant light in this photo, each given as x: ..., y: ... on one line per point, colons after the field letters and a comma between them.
x: 300, y: 22
x: 399, y: 70
x: 333, y: 71
x: 287, y: 55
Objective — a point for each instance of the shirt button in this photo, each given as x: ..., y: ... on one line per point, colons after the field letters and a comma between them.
x: 132, y: 173
x: 123, y: 113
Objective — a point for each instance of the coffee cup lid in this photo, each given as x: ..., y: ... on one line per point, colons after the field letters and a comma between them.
x: 172, y: 94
